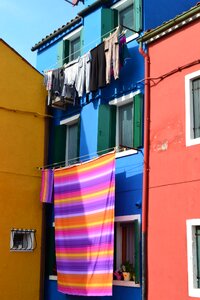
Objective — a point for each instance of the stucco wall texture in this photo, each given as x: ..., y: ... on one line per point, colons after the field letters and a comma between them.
x: 21, y: 150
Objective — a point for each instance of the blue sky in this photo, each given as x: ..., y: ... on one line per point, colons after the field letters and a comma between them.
x: 23, y: 23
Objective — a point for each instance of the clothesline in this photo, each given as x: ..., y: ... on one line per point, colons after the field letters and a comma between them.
x: 71, y: 54
x: 120, y: 148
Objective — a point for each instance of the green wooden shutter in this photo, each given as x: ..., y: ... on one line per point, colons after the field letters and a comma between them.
x: 109, y: 20
x: 137, y: 250
x: 59, y: 145
x: 106, y: 127
x: 65, y: 51
x: 60, y: 54
x: 137, y: 17
x: 138, y: 121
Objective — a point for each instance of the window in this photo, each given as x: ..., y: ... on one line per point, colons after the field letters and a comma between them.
x: 72, y: 139
x: 72, y: 45
x: 192, y: 96
x: 22, y: 240
x: 125, y: 125
x: 75, y: 50
x: 126, y: 257
x: 193, y: 255
x: 129, y: 15
x: 120, y: 124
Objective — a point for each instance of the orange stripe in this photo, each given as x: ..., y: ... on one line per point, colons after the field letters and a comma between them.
x: 84, y: 279
x: 83, y: 220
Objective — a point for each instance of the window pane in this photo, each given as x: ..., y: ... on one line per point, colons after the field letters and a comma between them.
x: 126, y: 125
x: 72, y: 141
x: 75, y: 48
x: 126, y: 19
x: 196, y: 107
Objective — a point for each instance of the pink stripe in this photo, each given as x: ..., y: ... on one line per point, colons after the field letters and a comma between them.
x: 95, y: 229
x: 85, y: 176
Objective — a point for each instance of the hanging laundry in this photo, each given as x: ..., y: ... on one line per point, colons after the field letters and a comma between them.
x: 69, y: 91
x: 46, y: 193
x: 111, y: 48
x: 98, y: 68
x: 123, y: 50
x: 82, y: 82
x: 48, y: 84
x: 84, y: 227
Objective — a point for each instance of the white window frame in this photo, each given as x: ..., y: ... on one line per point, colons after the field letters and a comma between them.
x: 30, y: 240
x: 120, y: 102
x: 71, y: 37
x: 68, y: 122
x: 118, y: 250
x: 191, y: 257
x: 120, y: 6
x: 190, y: 140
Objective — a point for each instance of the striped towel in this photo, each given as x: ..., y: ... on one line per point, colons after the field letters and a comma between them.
x: 46, y: 193
x: 84, y: 227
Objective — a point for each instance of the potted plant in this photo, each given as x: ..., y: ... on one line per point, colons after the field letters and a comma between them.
x: 127, y: 271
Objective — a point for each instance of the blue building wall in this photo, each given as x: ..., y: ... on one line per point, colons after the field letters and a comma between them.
x: 129, y: 169
x: 155, y: 12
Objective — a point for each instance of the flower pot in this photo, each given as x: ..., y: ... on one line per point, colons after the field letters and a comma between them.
x: 127, y: 276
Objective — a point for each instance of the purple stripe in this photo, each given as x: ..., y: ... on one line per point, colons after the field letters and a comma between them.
x: 85, y: 242
x: 85, y: 265
x: 89, y: 206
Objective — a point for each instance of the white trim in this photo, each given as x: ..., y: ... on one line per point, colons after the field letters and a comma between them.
x: 70, y: 121
x: 73, y: 35
x: 128, y: 218
x: 125, y: 153
x: 125, y: 283
x: 53, y: 277
x: 193, y: 291
x: 125, y: 99
x: 190, y: 140
x: 122, y: 4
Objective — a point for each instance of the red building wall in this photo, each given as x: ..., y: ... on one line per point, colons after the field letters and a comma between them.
x: 174, y: 190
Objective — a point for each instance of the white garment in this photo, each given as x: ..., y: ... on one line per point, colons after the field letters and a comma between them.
x: 82, y: 82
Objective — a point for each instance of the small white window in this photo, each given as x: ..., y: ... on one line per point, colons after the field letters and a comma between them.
x: 72, y: 45
x: 22, y: 240
x: 72, y: 139
x: 126, y: 258
x: 193, y: 256
x: 192, y: 96
x: 125, y: 17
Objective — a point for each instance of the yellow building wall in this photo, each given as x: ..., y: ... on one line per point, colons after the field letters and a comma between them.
x: 21, y: 151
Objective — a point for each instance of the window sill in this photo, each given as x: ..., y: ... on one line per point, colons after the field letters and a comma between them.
x: 115, y: 282
x: 125, y: 153
x: 192, y: 142
x: 132, y: 37
x: 53, y: 277
x: 125, y: 283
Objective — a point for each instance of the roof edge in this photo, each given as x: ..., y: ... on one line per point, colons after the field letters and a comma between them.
x: 56, y: 33
x: 91, y: 8
x: 167, y: 25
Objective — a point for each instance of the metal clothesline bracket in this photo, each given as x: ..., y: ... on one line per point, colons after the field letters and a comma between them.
x: 127, y: 28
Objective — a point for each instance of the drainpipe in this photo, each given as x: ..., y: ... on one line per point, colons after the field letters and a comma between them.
x: 145, y: 173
